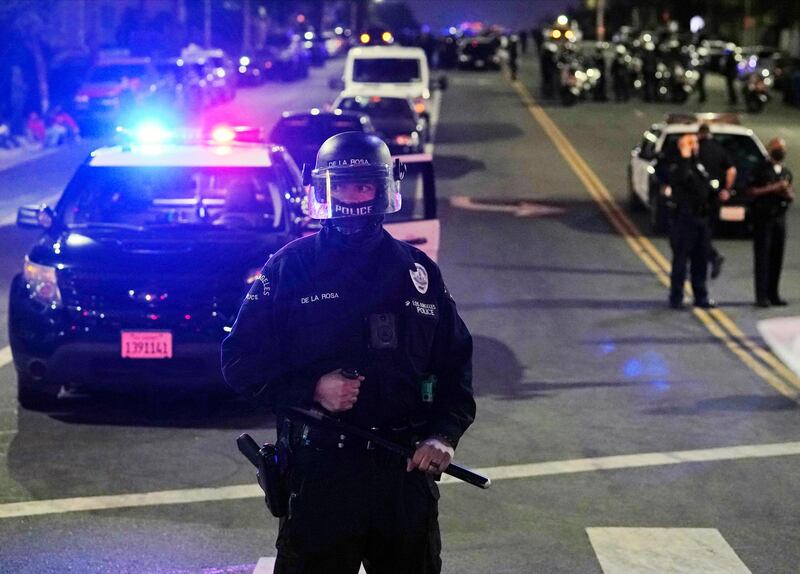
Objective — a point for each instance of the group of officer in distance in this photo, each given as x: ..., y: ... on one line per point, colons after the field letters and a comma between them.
x: 360, y: 324
x: 699, y: 161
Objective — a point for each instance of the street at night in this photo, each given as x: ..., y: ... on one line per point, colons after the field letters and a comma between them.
x: 620, y: 435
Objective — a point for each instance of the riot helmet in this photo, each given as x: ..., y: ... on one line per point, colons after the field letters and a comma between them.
x: 354, y: 177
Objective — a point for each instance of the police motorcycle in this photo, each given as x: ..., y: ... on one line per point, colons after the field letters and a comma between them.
x: 682, y: 82
x: 577, y: 79
x: 683, y: 75
x: 756, y: 80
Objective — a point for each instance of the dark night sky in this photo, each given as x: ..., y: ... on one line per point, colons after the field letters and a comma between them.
x: 512, y: 14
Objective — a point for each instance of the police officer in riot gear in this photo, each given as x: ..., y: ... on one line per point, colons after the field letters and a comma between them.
x: 352, y: 298
x: 690, y: 233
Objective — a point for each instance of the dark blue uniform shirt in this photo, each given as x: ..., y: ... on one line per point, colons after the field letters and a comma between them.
x: 308, y: 313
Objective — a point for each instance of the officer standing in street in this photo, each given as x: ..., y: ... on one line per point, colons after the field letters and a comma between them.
x: 621, y: 74
x: 690, y: 232
x: 548, y: 64
x: 719, y: 165
x: 731, y: 72
x: 362, y: 325
x: 771, y: 188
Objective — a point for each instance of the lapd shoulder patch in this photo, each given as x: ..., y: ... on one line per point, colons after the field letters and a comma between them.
x: 420, y: 278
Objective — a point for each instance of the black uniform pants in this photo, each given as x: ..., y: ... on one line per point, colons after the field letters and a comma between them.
x: 769, y: 239
x: 690, y: 237
x: 730, y: 84
x: 349, y: 506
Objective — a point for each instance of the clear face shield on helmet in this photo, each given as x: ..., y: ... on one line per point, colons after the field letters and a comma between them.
x: 342, y: 191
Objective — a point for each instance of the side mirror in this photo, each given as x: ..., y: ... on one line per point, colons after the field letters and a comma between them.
x: 647, y: 154
x: 35, y: 217
x: 336, y: 83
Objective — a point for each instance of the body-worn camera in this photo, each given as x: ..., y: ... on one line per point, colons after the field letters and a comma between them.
x: 383, y: 331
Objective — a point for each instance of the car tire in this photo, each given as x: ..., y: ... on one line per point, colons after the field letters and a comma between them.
x: 35, y: 395
x: 634, y: 203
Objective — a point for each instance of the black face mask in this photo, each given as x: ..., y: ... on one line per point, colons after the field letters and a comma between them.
x: 777, y: 155
x: 357, y: 231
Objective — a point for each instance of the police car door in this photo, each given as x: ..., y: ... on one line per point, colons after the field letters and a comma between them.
x: 643, y: 159
x: 416, y: 222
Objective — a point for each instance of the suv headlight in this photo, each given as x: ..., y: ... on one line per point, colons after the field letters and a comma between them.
x: 42, y: 283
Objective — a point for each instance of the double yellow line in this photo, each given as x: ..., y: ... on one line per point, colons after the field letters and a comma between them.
x: 762, y: 362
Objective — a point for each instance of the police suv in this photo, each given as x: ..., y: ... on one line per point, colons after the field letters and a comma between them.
x: 647, y: 171
x: 143, y: 263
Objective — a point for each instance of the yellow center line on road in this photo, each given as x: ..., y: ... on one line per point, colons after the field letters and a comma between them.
x: 718, y: 323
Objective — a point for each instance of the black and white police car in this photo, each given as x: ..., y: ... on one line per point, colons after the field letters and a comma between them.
x: 647, y: 185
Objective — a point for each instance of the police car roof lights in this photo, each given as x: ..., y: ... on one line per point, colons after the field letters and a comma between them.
x: 703, y: 118
x: 153, y: 133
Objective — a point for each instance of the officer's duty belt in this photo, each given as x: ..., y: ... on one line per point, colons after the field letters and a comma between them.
x: 306, y: 435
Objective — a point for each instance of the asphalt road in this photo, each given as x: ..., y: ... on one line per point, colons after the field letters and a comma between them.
x: 577, y: 358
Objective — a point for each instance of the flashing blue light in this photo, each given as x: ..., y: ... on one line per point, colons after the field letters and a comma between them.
x: 152, y: 133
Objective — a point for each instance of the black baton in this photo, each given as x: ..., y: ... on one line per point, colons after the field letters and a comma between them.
x: 319, y: 418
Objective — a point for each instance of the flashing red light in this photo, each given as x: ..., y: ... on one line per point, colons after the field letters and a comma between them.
x: 301, y: 18
x: 187, y: 317
x: 223, y: 134
x: 153, y: 317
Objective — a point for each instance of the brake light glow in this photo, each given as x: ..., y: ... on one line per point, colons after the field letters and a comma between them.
x: 223, y: 134
x: 419, y: 106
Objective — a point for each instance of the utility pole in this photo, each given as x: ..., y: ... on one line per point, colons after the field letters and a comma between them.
x: 247, y: 24
x: 601, y: 20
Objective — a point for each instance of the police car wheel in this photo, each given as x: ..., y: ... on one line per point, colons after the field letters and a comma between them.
x: 35, y: 395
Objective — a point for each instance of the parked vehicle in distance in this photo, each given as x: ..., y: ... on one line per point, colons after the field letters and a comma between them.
x: 302, y: 133
x: 393, y: 118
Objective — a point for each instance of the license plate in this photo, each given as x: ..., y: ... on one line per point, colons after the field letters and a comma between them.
x: 146, y: 345
x: 732, y: 213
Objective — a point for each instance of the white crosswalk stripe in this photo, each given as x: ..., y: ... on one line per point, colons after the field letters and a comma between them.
x: 664, y: 551
x: 266, y: 565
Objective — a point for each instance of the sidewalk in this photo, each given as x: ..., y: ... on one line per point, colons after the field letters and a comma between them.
x: 26, y: 152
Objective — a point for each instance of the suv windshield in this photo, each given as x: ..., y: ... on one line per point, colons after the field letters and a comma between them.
x: 375, y: 106
x: 116, y: 73
x: 142, y: 197
x: 391, y: 70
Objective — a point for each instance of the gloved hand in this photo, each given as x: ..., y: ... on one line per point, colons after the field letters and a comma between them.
x: 433, y: 455
x: 336, y: 392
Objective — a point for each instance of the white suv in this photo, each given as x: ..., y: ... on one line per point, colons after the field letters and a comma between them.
x: 647, y: 185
